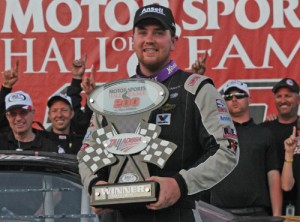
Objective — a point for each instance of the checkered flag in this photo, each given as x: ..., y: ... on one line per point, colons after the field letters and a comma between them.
x: 96, y: 156
x: 158, y: 151
x: 149, y: 130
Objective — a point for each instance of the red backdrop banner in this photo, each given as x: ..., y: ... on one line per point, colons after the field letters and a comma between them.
x: 256, y: 41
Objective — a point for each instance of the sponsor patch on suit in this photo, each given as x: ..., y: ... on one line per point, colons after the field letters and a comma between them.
x: 163, y: 119
x: 221, y: 106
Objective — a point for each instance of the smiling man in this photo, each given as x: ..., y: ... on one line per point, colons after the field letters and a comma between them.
x: 60, y: 115
x: 286, y: 99
x: 202, y: 158
x: 20, y: 113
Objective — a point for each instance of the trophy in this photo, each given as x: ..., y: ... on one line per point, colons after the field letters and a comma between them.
x: 128, y: 143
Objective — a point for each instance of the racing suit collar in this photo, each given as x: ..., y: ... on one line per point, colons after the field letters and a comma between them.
x: 162, y: 75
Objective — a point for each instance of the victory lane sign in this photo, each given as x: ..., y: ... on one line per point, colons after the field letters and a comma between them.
x: 128, y: 142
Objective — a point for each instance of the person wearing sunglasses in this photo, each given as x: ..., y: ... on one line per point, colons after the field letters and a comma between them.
x: 19, y: 112
x: 253, y: 188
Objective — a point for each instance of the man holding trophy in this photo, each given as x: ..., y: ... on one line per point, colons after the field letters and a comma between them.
x: 156, y: 141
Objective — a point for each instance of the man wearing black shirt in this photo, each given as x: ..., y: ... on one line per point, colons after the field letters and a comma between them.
x: 286, y: 101
x: 20, y: 112
x: 253, y: 187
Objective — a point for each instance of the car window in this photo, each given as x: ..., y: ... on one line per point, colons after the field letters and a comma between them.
x: 40, y: 196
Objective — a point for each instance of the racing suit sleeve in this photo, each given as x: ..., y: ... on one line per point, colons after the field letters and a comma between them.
x: 220, y: 162
x: 88, y: 178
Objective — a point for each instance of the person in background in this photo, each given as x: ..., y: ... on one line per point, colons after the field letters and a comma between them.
x: 68, y: 121
x: 290, y: 173
x: 60, y: 115
x: 286, y: 98
x: 202, y: 158
x: 199, y: 66
x: 19, y: 112
x: 253, y: 188
x: 80, y: 82
x: 9, y: 77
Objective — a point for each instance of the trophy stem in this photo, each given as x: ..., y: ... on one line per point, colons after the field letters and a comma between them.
x: 116, y: 169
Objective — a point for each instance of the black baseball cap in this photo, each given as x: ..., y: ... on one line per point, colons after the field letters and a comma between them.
x: 160, y: 13
x: 287, y: 83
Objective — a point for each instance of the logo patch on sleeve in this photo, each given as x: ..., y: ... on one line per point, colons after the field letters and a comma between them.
x: 229, y: 133
x: 221, y: 106
x: 163, y: 119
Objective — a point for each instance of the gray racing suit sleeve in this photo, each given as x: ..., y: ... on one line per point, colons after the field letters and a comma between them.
x: 87, y: 176
x: 218, y: 123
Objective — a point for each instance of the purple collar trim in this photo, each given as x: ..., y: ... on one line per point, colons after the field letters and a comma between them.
x: 163, y: 74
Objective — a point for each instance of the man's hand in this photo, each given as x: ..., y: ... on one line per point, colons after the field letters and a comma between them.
x: 88, y: 82
x: 290, y: 144
x: 271, y: 117
x: 99, y: 210
x: 169, y: 193
x: 199, y: 65
x: 10, y: 77
x: 78, y: 67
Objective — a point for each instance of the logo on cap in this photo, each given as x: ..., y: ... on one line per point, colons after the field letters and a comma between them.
x: 16, y: 97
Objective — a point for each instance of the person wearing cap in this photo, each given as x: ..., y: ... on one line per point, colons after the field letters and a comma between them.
x: 9, y: 78
x: 60, y: 115
x: 253, y: 188
x: 20, y: 112
x: 202, y: 158
x: 286, y: 99
x: 69, y: 122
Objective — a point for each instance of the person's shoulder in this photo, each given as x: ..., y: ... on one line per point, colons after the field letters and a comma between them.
x: 269, y: 123
x: 46, y: 143
x: 195, y: 82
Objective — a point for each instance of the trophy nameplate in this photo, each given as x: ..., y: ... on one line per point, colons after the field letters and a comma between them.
x: 128, y: 142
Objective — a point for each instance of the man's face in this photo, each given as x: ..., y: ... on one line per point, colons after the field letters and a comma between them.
x: 237, y: 103
x: 286, y: 102
x: 153, y: 46
x: 60, y: 115
x: 20, y: 120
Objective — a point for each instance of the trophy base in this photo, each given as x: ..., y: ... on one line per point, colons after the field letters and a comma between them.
x: 120, y: 195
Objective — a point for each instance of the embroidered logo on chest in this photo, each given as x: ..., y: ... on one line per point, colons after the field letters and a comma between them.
x: 163, y: 119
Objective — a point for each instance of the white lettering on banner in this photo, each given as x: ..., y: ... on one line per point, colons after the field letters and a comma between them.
x: 53, y: 48
x: 273, y: 45
x: 13, y: 10
x: 94, y: 15
x: 270, y: 46
x: 52, y: 16
x: 54, y: 54
x: 244, y: 39
x: 102, y: 51
x: 281, y: 15
x: 28, y: 53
